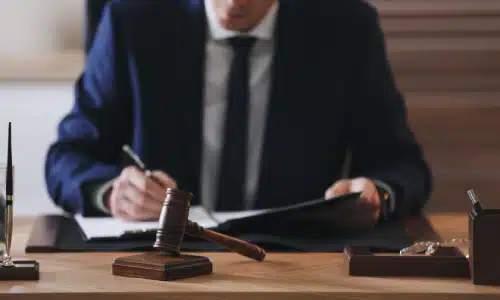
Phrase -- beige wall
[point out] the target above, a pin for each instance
(30, 27)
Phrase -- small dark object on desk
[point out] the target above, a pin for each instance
(21, 270)
(445, 262)
(484, 246)
(168, 263)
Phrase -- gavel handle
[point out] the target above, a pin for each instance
(231, 243)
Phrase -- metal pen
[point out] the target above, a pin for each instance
(9, 203)
(138, 162)
(135, 159)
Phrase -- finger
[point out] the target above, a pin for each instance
(338, 188)
(370, 195)
(132, 211)
(139, 198)
(164, 179)
(144, 183)
(114, 204)
(121, 214)
(131, 204)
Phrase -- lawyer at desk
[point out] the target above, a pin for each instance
(177, 80)
(247, 104)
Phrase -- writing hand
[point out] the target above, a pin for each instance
(138, 197)
(366, 211)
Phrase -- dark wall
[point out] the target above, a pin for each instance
(93, 12)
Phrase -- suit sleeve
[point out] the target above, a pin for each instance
(90, 136)
(383, 147)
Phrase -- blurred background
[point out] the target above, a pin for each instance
(445, 55)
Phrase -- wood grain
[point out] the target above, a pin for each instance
(281, 276)
(444, 54)
(459, 140)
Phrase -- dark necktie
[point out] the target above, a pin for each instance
(232, 169)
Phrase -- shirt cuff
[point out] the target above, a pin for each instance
(390, 191)
(97, 193)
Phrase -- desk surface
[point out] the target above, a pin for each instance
(280, 276)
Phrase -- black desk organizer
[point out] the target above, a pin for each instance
(484, 247)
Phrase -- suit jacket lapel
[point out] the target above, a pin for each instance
(286, 75)
(194, 75)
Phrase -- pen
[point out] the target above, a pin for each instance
(476, 206)
(9, 202)
(135, 159)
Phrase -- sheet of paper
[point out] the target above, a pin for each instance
(199, 215)
(108, 227)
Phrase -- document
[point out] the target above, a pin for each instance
(96, 228)
(108, 227)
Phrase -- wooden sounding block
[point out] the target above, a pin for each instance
(160, 266)
(21, 270)
(484, 247)
(445, 262)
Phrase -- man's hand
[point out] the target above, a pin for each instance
(137, 197)
(365, 213)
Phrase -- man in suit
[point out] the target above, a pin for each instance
(246, 103)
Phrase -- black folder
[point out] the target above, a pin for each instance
(304, 227)
(58, 233)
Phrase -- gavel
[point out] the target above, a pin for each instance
(174, 223)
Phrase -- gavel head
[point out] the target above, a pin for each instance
(173, 219)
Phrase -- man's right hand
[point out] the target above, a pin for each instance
(137, 197)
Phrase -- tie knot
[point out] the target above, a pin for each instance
(242, 44)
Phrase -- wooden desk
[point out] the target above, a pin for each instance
(281, 276)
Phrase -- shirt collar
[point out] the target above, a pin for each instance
(264, 30)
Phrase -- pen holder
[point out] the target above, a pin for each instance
(484, 247)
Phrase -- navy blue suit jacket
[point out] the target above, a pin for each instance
(332, 90)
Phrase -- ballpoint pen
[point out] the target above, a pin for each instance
(9, 202)
(138, 162)
(476, 206)
(135, 159)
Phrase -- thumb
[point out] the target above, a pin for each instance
(340, 187)
(166, 180)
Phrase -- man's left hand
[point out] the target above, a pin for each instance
(365, 213)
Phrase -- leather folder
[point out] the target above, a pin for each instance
(59, 233)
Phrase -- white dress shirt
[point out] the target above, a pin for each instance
(217, 64)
